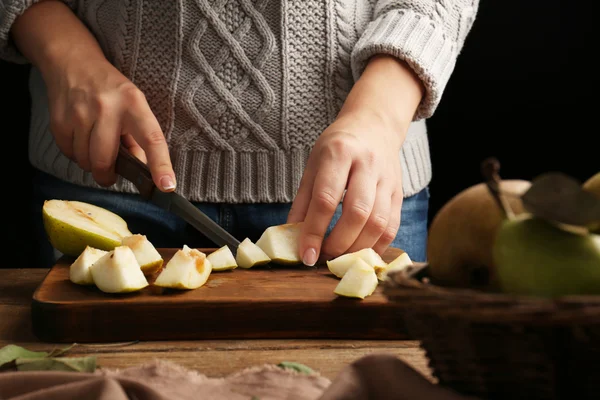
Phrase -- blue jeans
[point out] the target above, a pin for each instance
(164, 229)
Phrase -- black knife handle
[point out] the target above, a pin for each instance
(135, 171)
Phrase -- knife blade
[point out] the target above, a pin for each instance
(135, 171)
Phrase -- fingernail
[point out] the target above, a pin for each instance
(310, 257)
(167, 182)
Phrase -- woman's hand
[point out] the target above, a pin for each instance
(93, 107)
(359, 153)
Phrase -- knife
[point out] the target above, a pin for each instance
(135, 171)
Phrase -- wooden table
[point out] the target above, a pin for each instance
(214, 358)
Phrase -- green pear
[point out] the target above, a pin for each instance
(534, 257)
(71, 226)
(592, 185)
(462, 233)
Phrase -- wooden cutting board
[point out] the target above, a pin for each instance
(263, 302)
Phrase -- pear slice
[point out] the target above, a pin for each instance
(187, 269)
(146, 254)
(118, 271)
(338, 266)
(399, 263)
(222, 259)
(79, 271)
(250, 255)
(71, 226)
(359, 281)
(280, 243)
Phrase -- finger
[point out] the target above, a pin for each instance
(303, 196)
(145, 129)
(82, 126)
(134, 148)
(356, 209)
(378, 220)
(390, 233)
(326, 195)
(104, 147)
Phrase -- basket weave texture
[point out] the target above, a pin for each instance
(497, 346)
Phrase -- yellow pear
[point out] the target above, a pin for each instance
(250, 255)
(118, 271)
(71, 226)
(187, 269)
(148, 257)
(79, 271)
(462, 233)
(359, 281)
(280, 243)
(222, 259)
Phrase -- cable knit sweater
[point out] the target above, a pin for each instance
(243, 88)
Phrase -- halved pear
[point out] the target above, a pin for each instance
(71, 226)
(187, 269)
(359, 281)
(280, 243)
(398, 264)
(146, 254)
(222, 259)
(118, 271)
(79, 271)
(250, 255)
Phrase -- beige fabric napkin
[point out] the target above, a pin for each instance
(377, 376)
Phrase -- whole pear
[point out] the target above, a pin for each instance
(536, 258)
(592, 185)
(462, 233)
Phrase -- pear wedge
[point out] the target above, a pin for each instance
(187, 269)
(280, 243)
(146, 254)
(250, 255)
(79, 271)
(71, 226)
(398, 264)
(118, 271)
(339, 265)
(359, 281)
(222, 259)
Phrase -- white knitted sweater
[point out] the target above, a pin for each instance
(243, 88)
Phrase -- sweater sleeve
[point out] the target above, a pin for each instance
(427, 34)
(10, 10)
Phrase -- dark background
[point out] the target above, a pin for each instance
(524, 90)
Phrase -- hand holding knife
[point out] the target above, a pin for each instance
(135, 171)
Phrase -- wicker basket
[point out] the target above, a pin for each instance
(496, 346)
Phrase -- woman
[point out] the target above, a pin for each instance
(260, 112)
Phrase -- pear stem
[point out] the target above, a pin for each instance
(490, 169)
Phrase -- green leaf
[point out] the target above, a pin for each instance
(11, 352)
(296, 367)
(71, 364)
